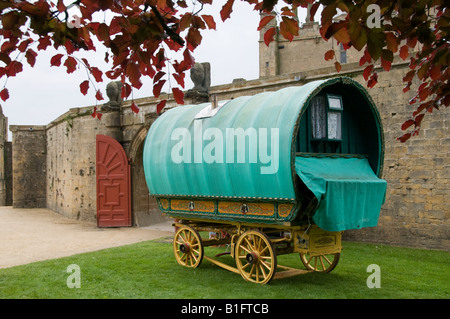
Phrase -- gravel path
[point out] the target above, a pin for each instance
(29, 235)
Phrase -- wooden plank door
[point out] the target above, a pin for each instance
(113, 184)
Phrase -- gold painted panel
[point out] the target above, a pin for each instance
(252, 209)
(196, 206)
(164, 203)
(317, 241)
(284, 209)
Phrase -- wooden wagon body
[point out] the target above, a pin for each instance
(289, 170)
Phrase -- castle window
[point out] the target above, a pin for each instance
(326, 117)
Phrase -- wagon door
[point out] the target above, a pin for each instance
(113, 184)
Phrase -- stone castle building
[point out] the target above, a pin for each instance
(54, 166)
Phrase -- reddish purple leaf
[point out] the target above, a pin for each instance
(226, 10)
(84, 87)
(70, 64)
(178, 95)
(160, 106)
(56, 60)
(99, 95)
(4, 94)
(134, 108)
(268, 36)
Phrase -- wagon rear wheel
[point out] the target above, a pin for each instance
(255, 257)
(188, 247)
(321, 263)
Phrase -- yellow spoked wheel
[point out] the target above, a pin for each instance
(188, 247)
(255, 257)
(321, 263)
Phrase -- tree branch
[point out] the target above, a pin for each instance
(172, 34)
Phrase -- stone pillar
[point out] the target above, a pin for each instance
(111, 119)
(29, 164)
(111, 125)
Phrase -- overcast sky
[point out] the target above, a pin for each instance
(39, 95)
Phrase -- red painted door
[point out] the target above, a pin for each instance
(113, 184)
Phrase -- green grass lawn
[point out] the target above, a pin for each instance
(149, 270)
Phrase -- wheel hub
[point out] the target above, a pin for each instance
(184, 248)
(252, 258)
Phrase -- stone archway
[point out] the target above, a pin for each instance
(144, 208)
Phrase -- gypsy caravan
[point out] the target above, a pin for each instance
(275, 173)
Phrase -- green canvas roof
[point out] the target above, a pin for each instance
(189, 157)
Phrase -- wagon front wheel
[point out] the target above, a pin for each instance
(188, 247)
(321, 263)
(255, 257)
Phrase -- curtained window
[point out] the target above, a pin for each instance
(326, 117)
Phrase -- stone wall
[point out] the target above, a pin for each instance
(417, 208)
(29, 166)
(70, 176)
(71, 161)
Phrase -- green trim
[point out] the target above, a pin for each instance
(228, 198)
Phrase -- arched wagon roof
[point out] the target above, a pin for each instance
(189, 157)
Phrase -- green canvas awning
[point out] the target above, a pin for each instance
(349, 194)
